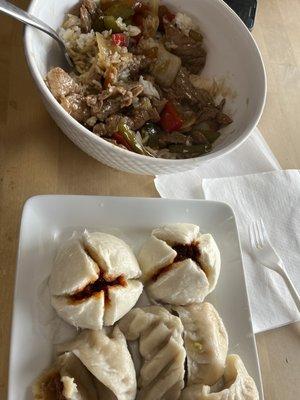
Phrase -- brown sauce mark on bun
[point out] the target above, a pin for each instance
(184, 252)
(54, 387)
(95, 289)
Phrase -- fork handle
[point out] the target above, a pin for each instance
(291, 288)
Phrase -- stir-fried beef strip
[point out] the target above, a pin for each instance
(132, 85)
(191, 52)
(184, 91)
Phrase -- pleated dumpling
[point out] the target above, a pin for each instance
(161, 347)
(206, 343)
(237, 384)
(92, 283)
(66, 379)
(108, 359)
(179, 264)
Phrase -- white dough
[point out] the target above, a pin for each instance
(77, 382)
(184, 283)
(112, 254)
(177, 233)
(184, 277)
(161, 346)
(238, 385)
(121, 300)
(80, 262)
(73, 269)
(108, 359)
(206, 343)
(154, 255)
(87, 314)
(210, 259)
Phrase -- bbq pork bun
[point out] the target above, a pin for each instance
(180, 265)
(66, 379)
(105, 355)
(93, 280)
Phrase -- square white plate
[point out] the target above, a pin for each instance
(47, 219)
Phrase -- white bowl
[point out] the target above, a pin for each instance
(232, 54)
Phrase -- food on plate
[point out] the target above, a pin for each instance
(132, 82)
(206, 343)
(180, 265)
(66, 379)
(161, 346)
(236, 385)
(179, 350)
(93, 280)
(108, 359)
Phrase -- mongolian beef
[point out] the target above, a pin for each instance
(131, 83)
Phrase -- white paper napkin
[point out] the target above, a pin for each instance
(252, 156)
(274, 196)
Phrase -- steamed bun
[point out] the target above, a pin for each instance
(93, 281)
(179, 264)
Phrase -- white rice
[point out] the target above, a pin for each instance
(148, 88)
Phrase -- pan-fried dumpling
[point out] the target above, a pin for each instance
(108, 359)
(206, 343)
(161, 347)
(179, 264)
(92, 283)
(66, 379)
(237, 384)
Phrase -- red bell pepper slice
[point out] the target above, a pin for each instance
(120, 39)
(119, 138)
(170, 120)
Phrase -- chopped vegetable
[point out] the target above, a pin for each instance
(211, 136)
(141, 11)
(166, 66)
(153, 4)
(170, 120)
(150, 134)
(106, 3)
(98, 24)
(120, 39)
(110, 23)
(119, 10)
(150, 26)
(119, 138)
(130, 137)
(104, 51)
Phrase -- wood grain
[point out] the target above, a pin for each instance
(36, 158)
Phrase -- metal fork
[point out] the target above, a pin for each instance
(267, 256)
(13, 11)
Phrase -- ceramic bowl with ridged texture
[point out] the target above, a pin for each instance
(233, 57)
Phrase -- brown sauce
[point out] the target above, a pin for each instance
(162, 271)
(184, 251)
(54, 387)
(95, 288)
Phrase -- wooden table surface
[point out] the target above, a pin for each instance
(36, 158)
